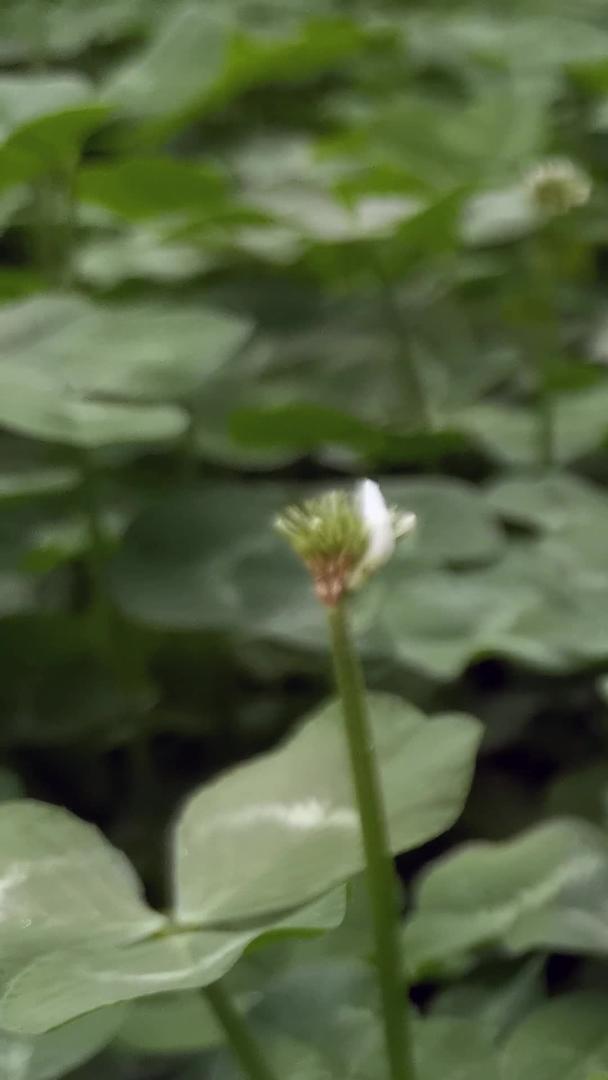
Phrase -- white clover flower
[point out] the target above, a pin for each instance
(344, 538)
(557, 185)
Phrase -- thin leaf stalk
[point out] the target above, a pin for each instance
(239, 1035)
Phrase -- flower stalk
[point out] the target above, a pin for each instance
(374, 832)
(343, 539)
(554, 188)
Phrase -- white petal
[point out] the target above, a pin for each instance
(378, 521)
(404, 524)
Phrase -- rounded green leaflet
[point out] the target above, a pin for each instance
(551, 503)
(34, 405)
(454, 525)
(89, 374)
(282, 829)
(542, 889)
(180, 1022)
(174, 73)
(54, 139)
(26, 481)
(62, 883)
(564, 1039)
(509, 434)
(28, 98)
(287, 1057)
(328, 1003)
(451, 1049)
(53, 1054)
(56, 986)
(140, 252)
(500, 996)
(149, 187)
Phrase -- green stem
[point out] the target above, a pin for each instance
(243, 1043)
(380, 880)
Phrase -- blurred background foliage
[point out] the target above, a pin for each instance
(249, 248)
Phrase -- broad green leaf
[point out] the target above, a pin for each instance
(531, 38)
(581, 793)
(443, 144)
(564, 1039)
(63, 883)
(43, 1057)
(63, 353)
(140, 188)
(44, 118)
(33, 404)
(450, 1049)
(57, 986)
(552, 502)
(498, 216)
(282, 829)
(453, 526)
(139, 254)
(177, 69)
(574, 514)
(320, 1002)
(511, 434)
(443, 1048)
(542, 889)
(299, 989)
(55, 139)
(176, 1023)
(438, 621)
(312, 47)
(202, 554)
(69, 26)
(25, 482)
(321, 217)
(286, 1057)
(306, 428)
(199, 60)
(74, 347)
(563, 586)
(499, 999)
(318, 388)
(17, 166)
(26, 98)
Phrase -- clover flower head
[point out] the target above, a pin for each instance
(557, 185)
(343, 538)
